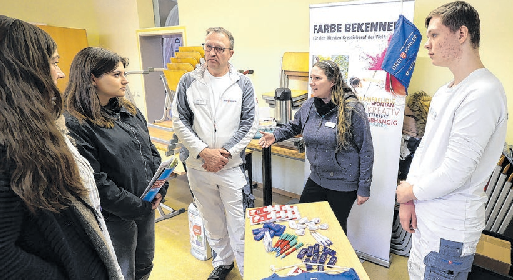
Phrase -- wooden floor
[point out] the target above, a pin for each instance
(173, 259)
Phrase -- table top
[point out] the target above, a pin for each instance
(276, 149)
(257, 262)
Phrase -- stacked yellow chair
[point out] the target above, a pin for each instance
(185, 60)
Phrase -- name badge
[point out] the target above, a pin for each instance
(200, 102)
(330, 124)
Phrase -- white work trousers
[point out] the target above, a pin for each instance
(427, 240)
(218, 197)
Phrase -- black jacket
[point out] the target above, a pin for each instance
(123, 158)
(47, 245)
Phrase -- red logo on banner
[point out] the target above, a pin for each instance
(403, 55)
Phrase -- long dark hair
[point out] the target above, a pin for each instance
(44, 172)
(343, 97)
(81, 98)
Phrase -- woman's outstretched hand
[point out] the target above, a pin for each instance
(266, 140)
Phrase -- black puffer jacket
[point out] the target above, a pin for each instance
(123, 158)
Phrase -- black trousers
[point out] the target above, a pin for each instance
(134, 244)
(340, 202)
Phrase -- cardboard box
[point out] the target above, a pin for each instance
(493, 254)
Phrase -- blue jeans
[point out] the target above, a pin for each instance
(134, 244)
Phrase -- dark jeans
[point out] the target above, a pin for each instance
(134, 243)
(340, 202)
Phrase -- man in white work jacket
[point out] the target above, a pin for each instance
(215, 116)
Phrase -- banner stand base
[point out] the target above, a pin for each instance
(373, 259)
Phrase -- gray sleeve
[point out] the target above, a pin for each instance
(295, 126)
(248, 119)
(363, 140)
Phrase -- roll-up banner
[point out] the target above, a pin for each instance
(356, 34)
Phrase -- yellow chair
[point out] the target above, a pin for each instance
(295, 64)
(173, 77)
(180, 66)
(193, 49)
(195, 55)
(190, 60)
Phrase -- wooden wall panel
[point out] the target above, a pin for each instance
(69, 42)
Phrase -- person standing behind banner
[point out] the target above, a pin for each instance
(50, 226)
(112, 134)
(215, 117)
(355, 83)
(338, 142)
(443, 198)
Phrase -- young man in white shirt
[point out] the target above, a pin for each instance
(443, 198)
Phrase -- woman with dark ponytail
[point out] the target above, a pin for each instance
(338, 142)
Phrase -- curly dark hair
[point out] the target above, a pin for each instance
(418, 102)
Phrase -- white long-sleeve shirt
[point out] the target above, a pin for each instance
(464, 138)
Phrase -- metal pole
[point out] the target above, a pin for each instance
(267, 176)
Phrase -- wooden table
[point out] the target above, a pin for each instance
(278, 150)
(257, 261)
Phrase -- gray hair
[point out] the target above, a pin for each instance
(222, 31)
